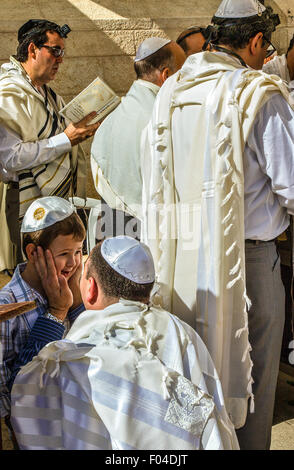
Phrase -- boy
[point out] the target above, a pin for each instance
(50, 224)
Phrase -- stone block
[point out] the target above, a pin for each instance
(97, 43)
(8, 45)
(118, 72)
(76, 73)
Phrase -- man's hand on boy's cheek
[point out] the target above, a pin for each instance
(60, 297)
(74, 284)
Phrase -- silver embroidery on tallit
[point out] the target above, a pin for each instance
(190, 408)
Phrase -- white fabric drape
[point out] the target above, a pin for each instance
(7, 249)
(192, 166)
(115, 151)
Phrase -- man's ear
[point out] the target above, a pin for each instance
(30, 249)
(32, 49)
(255, 43)
(165, 73)
(92, 291)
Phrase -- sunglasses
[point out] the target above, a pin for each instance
(271, 48)
(55, 51)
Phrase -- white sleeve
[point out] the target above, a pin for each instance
(17, 155)
(272, 141)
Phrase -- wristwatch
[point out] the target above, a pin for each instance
(53, 317)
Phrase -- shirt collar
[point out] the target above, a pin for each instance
(32, 293)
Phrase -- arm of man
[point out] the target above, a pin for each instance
(16, 155)
(272, 143)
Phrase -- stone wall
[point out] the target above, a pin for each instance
(105, 34)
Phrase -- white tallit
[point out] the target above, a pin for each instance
(34, 117)
(7, 249)
(278, 66)
(115, 151)
(202, 279)
(127, 377)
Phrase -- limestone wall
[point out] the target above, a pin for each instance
(105, 34)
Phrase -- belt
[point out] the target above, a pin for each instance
(259, 242)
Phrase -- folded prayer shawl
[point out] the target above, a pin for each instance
(127, 377)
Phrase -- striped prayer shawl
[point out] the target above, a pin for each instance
(35, 117)
(126, 377)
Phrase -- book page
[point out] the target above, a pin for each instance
(97, 97)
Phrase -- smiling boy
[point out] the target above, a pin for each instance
(52, 228)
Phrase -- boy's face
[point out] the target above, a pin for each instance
(67, 254)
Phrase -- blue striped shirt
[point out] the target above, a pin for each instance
(22, 337)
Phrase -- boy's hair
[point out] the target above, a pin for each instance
(114, 284)
(71, 225)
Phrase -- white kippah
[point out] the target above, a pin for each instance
(44, 212)
(239, 9)
(149, 47)
(130, 258)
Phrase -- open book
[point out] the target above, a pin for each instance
(97, 97)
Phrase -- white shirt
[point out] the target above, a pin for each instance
(17, 155)
(269, 171)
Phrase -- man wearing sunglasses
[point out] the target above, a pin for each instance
(218, 172)
(39, 154)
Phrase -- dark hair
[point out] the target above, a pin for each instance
(38, 35)
(181, 39)
(237, 32)
(290, 45)
(147, 68)
(71, 225)
(112, 283)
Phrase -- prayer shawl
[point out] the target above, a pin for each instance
(35, 117)
(127, 377)
(278, 66)
(7, 249)
(115, 151)
(201, 268)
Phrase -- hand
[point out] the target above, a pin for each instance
(80, 131)
(74, 285)
(60, 297)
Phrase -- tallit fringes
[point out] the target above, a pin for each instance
(233, 282)
(227, 230)
(231, 248)
(229, 195)
(43, 372)
(228, 216)
(235, 268)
